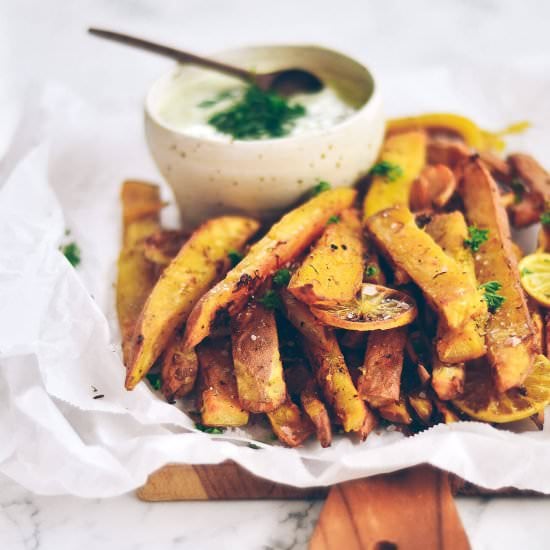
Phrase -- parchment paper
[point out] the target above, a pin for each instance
(59, 342)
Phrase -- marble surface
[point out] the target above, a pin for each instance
(45, 40)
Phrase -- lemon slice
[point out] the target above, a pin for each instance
(534, 271)
(481, 402)
(374, 308)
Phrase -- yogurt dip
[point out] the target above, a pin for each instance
(187, 104)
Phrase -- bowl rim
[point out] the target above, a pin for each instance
(252, 143)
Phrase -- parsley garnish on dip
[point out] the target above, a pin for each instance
(220, 107)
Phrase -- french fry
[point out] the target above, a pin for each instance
(291, 426)
(218, 400)
(396, 411)
(447, 414)
(328, 364)
(283, 242)
(199, 263)
(450, 152)
(433, 188)
(178, 369)
(317, 412)
(136, 276)
(258, 367)
(510, 337)
(332, 271)
(161, 247)
(449, 291)
(370, 424)
(405, 153)
(456, 346)
(380, 378)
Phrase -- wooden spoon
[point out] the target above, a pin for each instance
(285, 82)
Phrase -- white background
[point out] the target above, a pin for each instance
(46, 40)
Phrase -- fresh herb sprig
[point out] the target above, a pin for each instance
(234, 257)
(491, 296)
(258, 114)
(71, 251)
(282, 277)
(321, 187)
(476, 238)
(271, 300)
(333, 219)
(371, 271)
(154, 379)
(545, 218)
(387, 170)
(209, 429)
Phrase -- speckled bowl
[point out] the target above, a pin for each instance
(263, 178)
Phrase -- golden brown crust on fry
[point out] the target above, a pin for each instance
(396, 412)
(258, 367)
(163, 246)
(289, 424)
(380, 378)
(433, 189)
(317, 412)
(333, 269)
(200, 262)
(284, 241)
(218, 399)
(179, 369)
(510, 335)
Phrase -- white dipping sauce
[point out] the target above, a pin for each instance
(179, 106)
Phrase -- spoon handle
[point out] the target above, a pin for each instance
(167, 51)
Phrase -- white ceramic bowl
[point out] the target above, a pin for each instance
(264, 177)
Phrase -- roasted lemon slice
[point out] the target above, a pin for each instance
(534, 270)
(481, 402)
(374, 308)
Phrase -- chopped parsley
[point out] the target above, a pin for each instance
(253, 446)
(387, 170)
(491, 296)
(209, 429)
(258, 114)
(519, 189)
(545, 218)
(371, 270)
(218, 98)
(333, 219)
(154, 379)
(321, 187)
(71, 251)
(270, 300)
(281, 277)
(234, 257)
(476, 238)
(525, 271)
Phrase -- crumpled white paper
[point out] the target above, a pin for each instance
(59, 339)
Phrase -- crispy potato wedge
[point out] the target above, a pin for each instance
(291, 426)
(136, 276)
(468, 342)
(407, 151)
(397, 412)
(317, 412)
(433, 189)
(258, 366)
(332, 272)
(178, 369)
(422, 405)
(511, 345)
(200, 262)
(447, 414)
(380, 378)
(451, 293)
(285, 241)
(450, 152)
(447, 379)
(218, 400)
(370, 424)
(328, 364)
(162, 247)
(536, 182)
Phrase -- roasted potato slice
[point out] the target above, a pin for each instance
(396, 411)
(328, 364)
(510, 338)
(450, 152)
(380, 378)
(468, 342)
(284, 241)
(200, 262)
(433, 189)
(136, 275)
(422, 405)
(291, 426)
(450, 292)
(405, 153)
(218, 400)
(258, 367)
(447, 379)
(332, 271)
